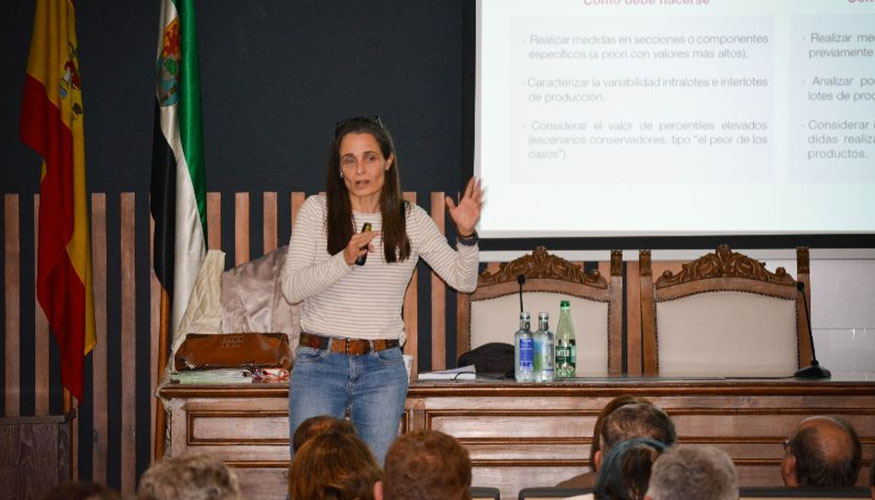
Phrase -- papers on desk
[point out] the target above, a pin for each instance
(216, 376)
(461, 373)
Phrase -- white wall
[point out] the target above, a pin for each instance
(842, 311)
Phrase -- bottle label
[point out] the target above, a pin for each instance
(562, 352)
(526, 355)
(572, 354)
(548, 352)
(538, 346)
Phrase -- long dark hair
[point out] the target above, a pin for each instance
(393, 208)
(625, 473)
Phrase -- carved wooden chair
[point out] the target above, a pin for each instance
(491, 313)
(724, 314)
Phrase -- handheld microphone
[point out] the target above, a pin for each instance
(361, 260)
(521, 279)
(814, 370)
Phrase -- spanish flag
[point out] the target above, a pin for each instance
(51, 124)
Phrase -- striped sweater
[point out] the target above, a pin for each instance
(364, 301)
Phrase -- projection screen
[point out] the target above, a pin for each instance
(675, 117)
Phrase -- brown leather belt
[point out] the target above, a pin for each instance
(355, 347)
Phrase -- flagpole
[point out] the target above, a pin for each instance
(72, 453)
(160, 413)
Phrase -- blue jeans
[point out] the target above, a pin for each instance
(373, 386)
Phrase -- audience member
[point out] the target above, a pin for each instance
(193, 476)
(607, 410)
(426, 465)
(333, 465)
(822, 452)
(625, 471)
(317, 425)
(693, 473)
(638, 418)
(75, 490)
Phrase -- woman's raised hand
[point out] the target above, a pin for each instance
(466, 214)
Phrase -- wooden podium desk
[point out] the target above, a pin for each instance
(525, 435)
(35, 454)
(246, 425)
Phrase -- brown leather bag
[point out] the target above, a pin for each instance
(233, 350)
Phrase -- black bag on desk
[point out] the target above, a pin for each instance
(494, 357)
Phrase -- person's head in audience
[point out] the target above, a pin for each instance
(75, 490)
(693, 473)
(333, 465)
(607, 410)
(426, 465)
(822, 452)
(194, 476)
(625, 471)
(636, 420)
(317, 425)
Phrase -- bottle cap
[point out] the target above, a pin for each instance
(543, 315)
(564, 304)
(525, 316)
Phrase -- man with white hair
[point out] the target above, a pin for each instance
(693, 473)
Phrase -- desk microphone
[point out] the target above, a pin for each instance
(521, 279)
(814, 370)
(360, 261)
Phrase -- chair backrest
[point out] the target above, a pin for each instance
(723, 314)
(484, 493)
(552, 493)
(786, 493)
(491, 313)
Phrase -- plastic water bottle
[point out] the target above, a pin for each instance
(523, 351)
(566, 350)
(543, 349)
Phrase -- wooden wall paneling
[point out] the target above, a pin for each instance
(615, 278)
(633, 319)
(214, 221)
(99, 375)
(411, 309)
(241, 228)
(154, 342)
(645, 276)
(269, 222)
(604, 269)
(463, 318)
(128, 344)
(438, 294)
(40, 333)
(12, 284)
(297, 200)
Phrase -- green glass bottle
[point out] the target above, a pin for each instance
(566, 350)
